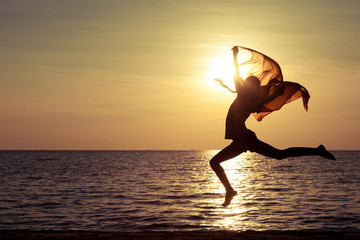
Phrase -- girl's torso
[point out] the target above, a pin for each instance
(238, 112)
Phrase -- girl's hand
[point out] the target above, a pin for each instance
(235, 50)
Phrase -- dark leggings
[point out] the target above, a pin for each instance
(255, 145)
(237, 147)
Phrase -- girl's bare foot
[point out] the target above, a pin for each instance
(325, 153)
(228, 197)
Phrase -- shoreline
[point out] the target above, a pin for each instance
(176, 235)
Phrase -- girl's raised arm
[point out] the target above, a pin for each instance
(237, 79)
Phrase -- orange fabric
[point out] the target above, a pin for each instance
(266, 69)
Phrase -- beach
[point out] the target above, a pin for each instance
(174, 235)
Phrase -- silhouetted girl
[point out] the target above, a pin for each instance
(252, 98)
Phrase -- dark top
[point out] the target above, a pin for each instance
(238, 112)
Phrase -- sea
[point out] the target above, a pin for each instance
(133, 191)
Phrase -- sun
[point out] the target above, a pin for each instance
(222, 67)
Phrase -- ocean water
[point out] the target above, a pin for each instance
(176, 190)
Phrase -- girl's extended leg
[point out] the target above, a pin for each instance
(227, 153)
(269, 151)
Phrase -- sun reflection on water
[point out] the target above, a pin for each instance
(240, 178)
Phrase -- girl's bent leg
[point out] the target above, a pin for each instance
(227, 153)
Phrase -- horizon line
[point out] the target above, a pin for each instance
(138, 150)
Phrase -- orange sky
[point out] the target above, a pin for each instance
(134, 74)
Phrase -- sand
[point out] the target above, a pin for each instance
(167, 235)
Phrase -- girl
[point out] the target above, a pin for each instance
(248, 101)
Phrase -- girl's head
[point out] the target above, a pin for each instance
(252, 86)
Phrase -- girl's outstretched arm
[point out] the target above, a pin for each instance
(219, 80)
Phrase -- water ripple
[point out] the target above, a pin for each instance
(175, 190)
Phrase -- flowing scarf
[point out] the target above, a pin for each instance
(269, 73)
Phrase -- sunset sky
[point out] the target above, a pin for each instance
(136, 74)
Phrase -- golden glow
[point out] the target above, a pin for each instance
(105, 79)
(222, 67)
